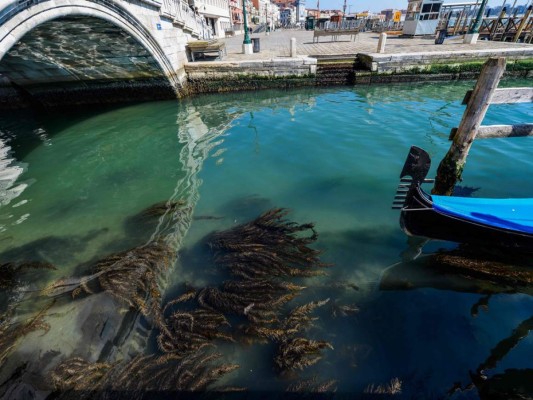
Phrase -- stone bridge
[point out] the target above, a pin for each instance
(82, 51)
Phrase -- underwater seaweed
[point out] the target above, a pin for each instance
(144, 373)
(268, 246)
(247, 304)
(9, 272)
(171, 372)
(188, 331)
(299, 353)
(78, 374)
(190, 293)
(481, 265)
(293, 353)
(162, 208)
(312, 386)
(259, 253)
(188, 325)
(297, 321)
(343, 310)
(11, 332)
(392, 388)
(130, 276)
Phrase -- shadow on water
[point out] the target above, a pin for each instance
(30, 264)
(465, 269)
(487, 272)
(244, 208)
(55, 250)
(26, 130)
(361, 251)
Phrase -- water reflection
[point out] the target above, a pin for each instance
(479, 271)
(10, 171)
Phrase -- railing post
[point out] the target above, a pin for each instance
(451, 167)
(473, 33)
(497, 22)
(522, 24)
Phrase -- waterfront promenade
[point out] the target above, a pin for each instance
(277, 44)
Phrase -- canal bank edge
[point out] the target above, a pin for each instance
(282, 73)
(209, 77)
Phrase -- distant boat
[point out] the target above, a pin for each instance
(500, 222)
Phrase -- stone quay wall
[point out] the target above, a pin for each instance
(220, 76)
(282, 73)
(364, 69)
(434, 62)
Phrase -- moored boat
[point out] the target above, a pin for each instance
(499, 222)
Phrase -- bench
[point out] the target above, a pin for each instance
(335, 34)
(202, 47)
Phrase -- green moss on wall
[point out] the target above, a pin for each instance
(333, 72)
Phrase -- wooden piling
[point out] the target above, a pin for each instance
(451, 167)
(522, 24)
(458, 22)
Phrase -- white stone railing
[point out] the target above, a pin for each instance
(216, 7)
(170, 8)
(176, 10)
(182, 14)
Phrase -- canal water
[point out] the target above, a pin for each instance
(72, 183)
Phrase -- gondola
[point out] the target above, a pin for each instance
(506, 223)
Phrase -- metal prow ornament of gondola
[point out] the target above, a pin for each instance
(414, 172)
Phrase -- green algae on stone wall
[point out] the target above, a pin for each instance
(243, 82)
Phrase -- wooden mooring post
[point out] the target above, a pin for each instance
(478, 100)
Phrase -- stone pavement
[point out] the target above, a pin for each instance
(277, 44)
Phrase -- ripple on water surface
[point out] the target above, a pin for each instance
(81, 187)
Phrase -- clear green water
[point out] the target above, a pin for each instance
(333, 157)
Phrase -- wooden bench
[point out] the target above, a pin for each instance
(348, 32)
(202, 47)
(335, 34)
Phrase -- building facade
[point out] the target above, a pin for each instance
(217, 15)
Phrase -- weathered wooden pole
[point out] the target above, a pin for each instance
(458, 22)
(497, 23)
(522, 24)
(451, 167)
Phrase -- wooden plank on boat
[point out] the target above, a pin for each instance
(507, 96)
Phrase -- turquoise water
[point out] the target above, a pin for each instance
(333, 157)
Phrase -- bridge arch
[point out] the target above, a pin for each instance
(17, 26)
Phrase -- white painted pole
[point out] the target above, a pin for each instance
(381, 43)
(293, 47)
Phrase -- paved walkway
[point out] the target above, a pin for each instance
(277, 44)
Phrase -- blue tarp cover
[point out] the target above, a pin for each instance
(512, 214)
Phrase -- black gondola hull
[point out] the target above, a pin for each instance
(420, 218)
